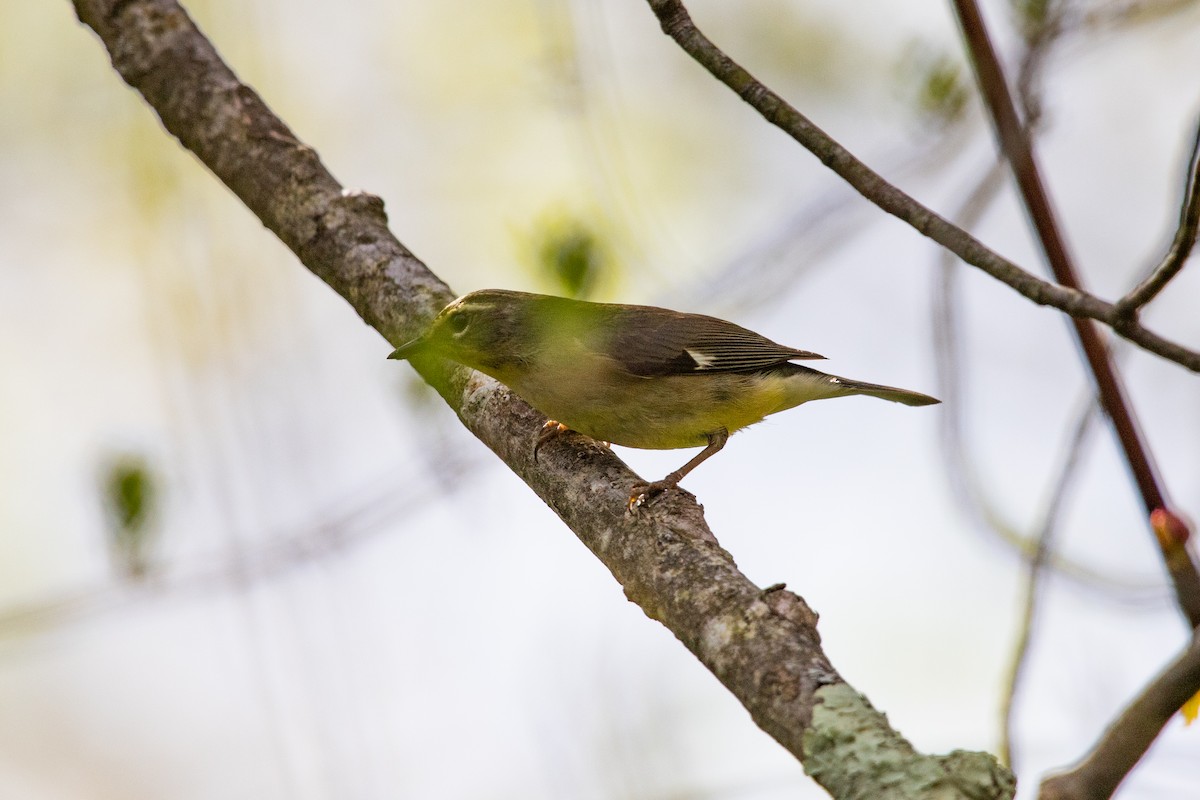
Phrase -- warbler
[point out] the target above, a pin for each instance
(638, 376)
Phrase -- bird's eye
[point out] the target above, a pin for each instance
(458, 323)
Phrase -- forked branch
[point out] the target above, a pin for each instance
(677, 24)
(1017, 148)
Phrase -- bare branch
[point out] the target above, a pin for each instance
(1015, 143)
(763, 645)
(677, 24)
(1181, 246)
(1130, 736)
(1039, 557)
(968, 489)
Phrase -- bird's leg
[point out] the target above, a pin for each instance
(643, 493)
(551, 429)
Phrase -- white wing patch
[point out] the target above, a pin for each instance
(703, 360)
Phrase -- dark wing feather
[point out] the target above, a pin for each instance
(672, 343)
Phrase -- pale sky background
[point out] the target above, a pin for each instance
(350, 597)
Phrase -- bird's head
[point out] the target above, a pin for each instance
(481, 330)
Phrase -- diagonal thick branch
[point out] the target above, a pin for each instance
(762, 645)
(677, 24)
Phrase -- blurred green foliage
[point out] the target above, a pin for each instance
(1032, 15)
(570, 255)
(936, 82)
(130, 491)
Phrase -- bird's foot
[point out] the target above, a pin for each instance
(643, 493)
(551, 429)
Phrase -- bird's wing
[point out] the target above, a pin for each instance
(687, 344)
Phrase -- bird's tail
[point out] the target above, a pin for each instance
(887, 393)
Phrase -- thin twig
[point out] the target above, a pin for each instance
(677, 24)
(1015, 144)
(1036, 571)
(1019, 151)
(1129, 737)
(967, 488)
(949, 362)
(1181, 246)
(1119, 13)
(1040, 557)
(348, 523)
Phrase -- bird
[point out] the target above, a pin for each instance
(637, 376)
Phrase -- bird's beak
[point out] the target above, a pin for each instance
(408, 349)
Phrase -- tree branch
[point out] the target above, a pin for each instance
(677, 24)
(762, 645)
(1019, 151)
(1130, 736)
(1181, 246)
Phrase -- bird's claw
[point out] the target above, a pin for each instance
(643, 493)
(549, 430)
